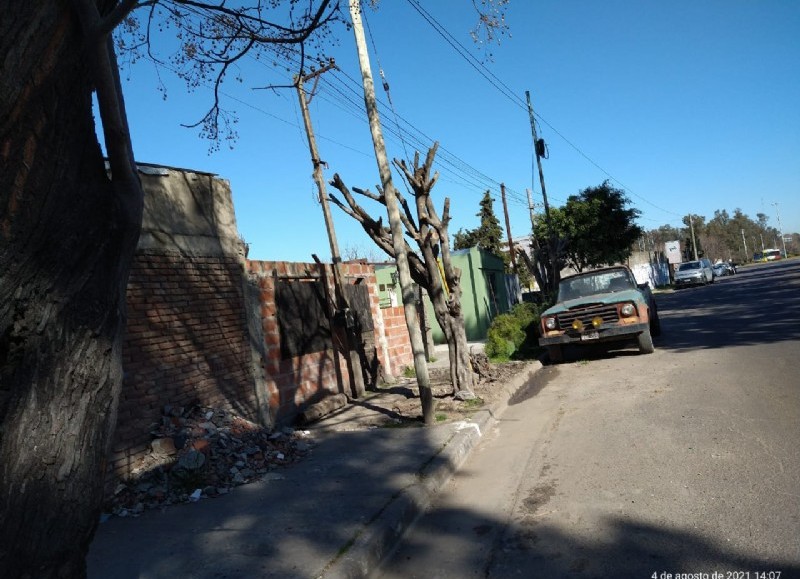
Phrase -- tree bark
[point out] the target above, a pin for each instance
(67, 237)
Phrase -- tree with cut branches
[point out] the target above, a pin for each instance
(429, 232)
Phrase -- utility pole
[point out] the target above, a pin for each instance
(395, 224)
(342, 305)
(530, 211)
(552, 241)
(744, 242)
(694, 242)
(780, 229)
(508, 227)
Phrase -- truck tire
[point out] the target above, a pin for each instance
(655, 325)
(645, 341)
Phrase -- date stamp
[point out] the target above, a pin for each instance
(718, 575)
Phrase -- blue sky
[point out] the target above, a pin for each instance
(689, 106)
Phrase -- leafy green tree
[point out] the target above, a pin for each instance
(597, 227)
(488, 235)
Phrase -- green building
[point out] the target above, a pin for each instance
(484, 288)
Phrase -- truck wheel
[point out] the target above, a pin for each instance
(655, 325)
(645, 341)
(556, 354)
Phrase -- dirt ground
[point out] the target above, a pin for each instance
(398, 404)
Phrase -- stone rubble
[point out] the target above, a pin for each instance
(198, 453)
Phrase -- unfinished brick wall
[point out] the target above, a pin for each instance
(295, 382)
(186, 343)
(398, 344)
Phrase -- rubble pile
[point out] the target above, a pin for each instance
(202, 452)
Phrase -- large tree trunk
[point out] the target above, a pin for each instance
(66, 243)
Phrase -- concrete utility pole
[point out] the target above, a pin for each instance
(395, 224)
(780, 229)
(342, 305)
(744, 242)
(508, 227)
(530, 212)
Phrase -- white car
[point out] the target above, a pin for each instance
(697, 272)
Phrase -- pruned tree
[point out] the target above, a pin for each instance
(69, 226)
(429, 232)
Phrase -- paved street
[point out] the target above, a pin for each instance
(622, 465)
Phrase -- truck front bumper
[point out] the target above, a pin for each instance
(612, 334)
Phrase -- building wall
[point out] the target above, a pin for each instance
(480, 303)
(202, 326)
(186, 341)
(293, 383)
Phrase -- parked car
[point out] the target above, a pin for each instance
(603, 305)
(698, 272)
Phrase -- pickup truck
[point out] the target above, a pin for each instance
(602, 305)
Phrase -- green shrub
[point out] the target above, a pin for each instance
(514, 335)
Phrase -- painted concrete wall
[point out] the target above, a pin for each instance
(485, 292)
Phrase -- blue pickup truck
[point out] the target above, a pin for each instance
(602, 305)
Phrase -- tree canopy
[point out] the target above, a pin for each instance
(596, 226)
(488, 235)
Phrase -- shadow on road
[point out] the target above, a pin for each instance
(631, 548)
(757, 306)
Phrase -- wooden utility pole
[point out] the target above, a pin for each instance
(508, 227)
(395, 223)
(342, 305)
(694, 241)
(553, 242)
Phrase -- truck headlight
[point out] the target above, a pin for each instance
(627, 310)
(550, 323)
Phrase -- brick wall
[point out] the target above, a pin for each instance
(293, 383)
(186, 343)
(399, 354)
(202, 326)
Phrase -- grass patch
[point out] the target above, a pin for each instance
(473, 402)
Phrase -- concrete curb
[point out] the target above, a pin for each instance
(383, 532)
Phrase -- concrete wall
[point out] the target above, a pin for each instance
(187, 339)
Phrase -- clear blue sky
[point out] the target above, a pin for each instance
(690, 106)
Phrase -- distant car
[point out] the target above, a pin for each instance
(722, 269)
(603, 305)
(698, 272)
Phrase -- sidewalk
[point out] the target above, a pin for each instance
(335, 514)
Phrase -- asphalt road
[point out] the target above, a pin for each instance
(615, 464)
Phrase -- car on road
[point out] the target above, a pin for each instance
(598, 306)
(722, 269)
(697, 272)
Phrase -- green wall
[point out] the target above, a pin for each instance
(483, 289)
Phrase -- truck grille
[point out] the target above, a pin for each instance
(586, 313)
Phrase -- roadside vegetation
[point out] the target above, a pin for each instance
(514, 335)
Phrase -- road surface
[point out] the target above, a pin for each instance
(614, 464)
